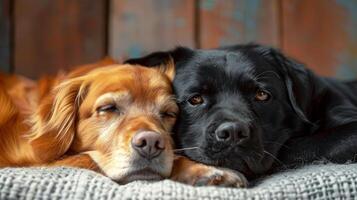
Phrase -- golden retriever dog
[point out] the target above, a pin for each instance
(110, 118)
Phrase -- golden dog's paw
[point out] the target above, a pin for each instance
(198, 174)
(220, 177)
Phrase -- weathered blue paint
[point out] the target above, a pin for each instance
(135, 50)
(246, 14)
(163, 5)
(128, 17)
(351, 7)
(4, 36)
(251, 20)
(233, 34)
(207, 4)
(346, 72)
(180, 22)
(347, 69)
(238, 15)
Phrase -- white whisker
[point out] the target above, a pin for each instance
(188, 148)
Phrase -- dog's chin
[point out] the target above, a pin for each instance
(146, 174)
(135, 174)
(142, 170)
(135, 168)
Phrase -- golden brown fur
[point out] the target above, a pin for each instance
(58, 121)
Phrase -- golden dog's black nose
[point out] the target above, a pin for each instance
(148, 144)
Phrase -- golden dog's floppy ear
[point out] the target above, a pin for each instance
(55, 120)
(168, 68)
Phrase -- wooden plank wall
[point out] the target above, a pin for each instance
(322, 34)
(229, 22)
(5, 30)
(140, 26)
(50, 35)
(199, 24)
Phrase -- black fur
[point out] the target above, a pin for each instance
(307, 118)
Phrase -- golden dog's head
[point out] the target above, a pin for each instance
(120, 115)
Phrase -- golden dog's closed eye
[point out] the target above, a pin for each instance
(169, 114)
(111, 108)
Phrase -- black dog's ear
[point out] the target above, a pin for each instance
(298, 80)
(153, 59)
(161, 57)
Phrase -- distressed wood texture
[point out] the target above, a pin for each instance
(5, 48)
(52, 35)
(238, 21)
(141, 26)
(322, 34)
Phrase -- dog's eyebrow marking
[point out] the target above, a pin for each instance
(266, 72)
(113, 97)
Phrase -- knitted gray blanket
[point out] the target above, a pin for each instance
(311, 182)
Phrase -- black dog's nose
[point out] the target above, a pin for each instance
(148, 144)
(230, 131)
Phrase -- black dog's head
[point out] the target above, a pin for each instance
(238, 104)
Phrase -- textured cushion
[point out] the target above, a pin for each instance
(313, 182)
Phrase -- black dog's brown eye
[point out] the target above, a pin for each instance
(196, 100)
(262, 96)
(108, 108)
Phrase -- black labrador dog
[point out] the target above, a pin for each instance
(252, 109)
